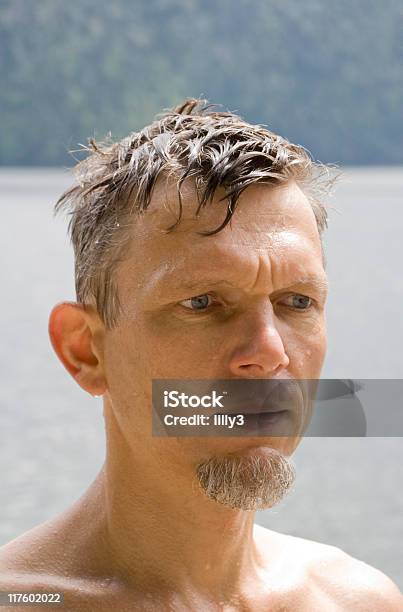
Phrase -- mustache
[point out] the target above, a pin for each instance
(257, 397)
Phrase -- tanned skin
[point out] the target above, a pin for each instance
(142, 537)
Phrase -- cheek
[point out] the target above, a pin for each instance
(307, 352)
(126, 363)
(187, 356)
(128, 379)
(175, 348)
(143, 350)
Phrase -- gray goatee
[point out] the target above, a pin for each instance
(253, 482)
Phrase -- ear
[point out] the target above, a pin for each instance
(76, 333)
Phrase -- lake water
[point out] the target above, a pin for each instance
(348, 491)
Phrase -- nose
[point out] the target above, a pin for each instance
(260, 351)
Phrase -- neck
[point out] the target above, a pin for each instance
(163, 530)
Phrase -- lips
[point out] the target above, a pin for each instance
(255, 411)
(268, 423)
(276, 399)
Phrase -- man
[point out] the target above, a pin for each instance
(198, 256)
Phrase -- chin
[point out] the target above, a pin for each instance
(253, 446)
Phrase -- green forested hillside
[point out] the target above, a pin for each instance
(326, 74)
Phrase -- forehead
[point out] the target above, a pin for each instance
(274, 228)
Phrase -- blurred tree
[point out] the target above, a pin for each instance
(326, 75)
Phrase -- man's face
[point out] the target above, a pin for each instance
(249, 320)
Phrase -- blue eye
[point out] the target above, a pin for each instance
(300, 302)
(198, 302)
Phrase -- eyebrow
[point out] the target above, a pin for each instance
(319, 283)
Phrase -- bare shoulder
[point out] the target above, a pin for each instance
(27, 552)
(35, 562)
(22, 570)
(77, 595)
(347, 581)
(357, 583)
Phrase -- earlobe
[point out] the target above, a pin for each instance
(71, 331)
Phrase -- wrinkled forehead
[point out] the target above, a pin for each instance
(276, 224)
(262, 211)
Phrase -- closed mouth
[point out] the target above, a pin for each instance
(255, 413)
(280, 398)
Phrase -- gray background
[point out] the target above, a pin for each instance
(348, 491)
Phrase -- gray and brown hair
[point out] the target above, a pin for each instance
(193, 140)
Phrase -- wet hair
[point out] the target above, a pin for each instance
(194, 140)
